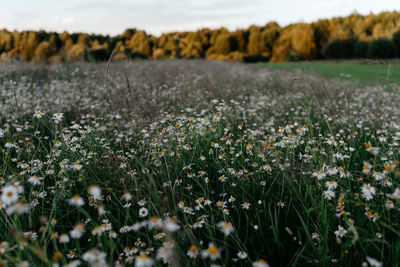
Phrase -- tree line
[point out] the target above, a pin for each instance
(353, 36)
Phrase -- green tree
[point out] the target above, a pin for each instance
(381, 48)
(396, 42)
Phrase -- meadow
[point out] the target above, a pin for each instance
(196, 163)
(361, 71)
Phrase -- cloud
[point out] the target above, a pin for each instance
(159, 16)
(67, 21)
(318, 6)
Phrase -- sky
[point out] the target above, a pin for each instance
(159, 16)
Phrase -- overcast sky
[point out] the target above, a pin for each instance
(158, 16)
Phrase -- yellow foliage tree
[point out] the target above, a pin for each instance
(76, 53)
(295, 42)
(43, 52)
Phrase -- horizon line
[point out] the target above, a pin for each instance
(355, 12)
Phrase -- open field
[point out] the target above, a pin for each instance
(197, 163)
(364, 72)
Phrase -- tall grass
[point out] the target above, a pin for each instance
(193, 163)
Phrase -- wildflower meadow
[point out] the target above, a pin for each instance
(196, 163)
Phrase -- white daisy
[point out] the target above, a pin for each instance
(143, 212)
(9, 195)
(225, 227)
(340, 232)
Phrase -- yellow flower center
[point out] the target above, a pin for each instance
(213, 250)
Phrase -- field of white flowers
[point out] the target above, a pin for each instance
(196, 163)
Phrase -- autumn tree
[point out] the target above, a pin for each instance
(256, 44)
(295, 42)
(169, 43)
(6, 41)
(221, 45)
(140, 45)
(269, 35)
(239, 40)
(44, 51)
(321, 35)
(76, 52)
(191, 45)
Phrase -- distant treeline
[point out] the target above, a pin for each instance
(354, 36)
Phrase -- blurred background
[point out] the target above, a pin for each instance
(248, 31)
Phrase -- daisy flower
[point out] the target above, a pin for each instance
(142, 202)
(95, 257)
(18, 208)
(38, 114)
(395, 194)
(341, 232)
(3, 247)
(35, 180)
(319, 175)
(280, 204)
(126, 196)
(245, 205)
(95, 192)
(368, 191)
(373, 262)
(170, 225)
(159, 235)
(331, 185)
(212, 252)
(57, 117)
(221, 204)
(77, 231)
(64, 238)
(242, 255)
(193, 252)
(329, 194)
(226, 227)
(389, 204)
(76, 201)
(143, 261)
(143, 212)
(314, 235)
(260, 263)
(9, 195)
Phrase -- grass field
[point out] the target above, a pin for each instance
(365, 72)
(196, 163)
